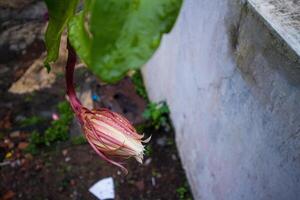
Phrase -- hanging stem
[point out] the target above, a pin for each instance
(74, 101)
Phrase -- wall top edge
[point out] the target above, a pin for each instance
(284, 17)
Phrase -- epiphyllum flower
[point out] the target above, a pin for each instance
(109, 134)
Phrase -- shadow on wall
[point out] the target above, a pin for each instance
(247, 44)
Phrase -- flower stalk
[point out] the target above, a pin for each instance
(111, 135)
(71, 62)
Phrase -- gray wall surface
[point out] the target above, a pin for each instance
(233, 88)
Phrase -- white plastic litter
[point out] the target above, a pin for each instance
(103, 189)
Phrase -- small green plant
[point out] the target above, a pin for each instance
(78, 140)
(157, 113)
(148, 151)
(35, 140)
(58, 130)
(183, 192)
(31, 121)
(138, 82)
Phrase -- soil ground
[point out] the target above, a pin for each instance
(65, 170)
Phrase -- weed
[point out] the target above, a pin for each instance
(58, 130)
(170, 141)
(154, 173)
(157, 113)
(138, 82)
(35, 140)
(31, 121)
(32, 149)
(140, 128)
(148, 151)
(183, 192)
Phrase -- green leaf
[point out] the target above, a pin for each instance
(60, 11)
(120, 34)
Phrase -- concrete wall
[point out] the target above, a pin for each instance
(233, 88)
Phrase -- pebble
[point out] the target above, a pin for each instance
(148, 161)
(67, 159)
(15, 163)
(15, 134)
(9, 143)
(174, 157)
(65, 152)
(153, 181)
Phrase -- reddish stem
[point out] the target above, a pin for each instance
(74, 101)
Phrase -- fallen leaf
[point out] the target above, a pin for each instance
(8, 155)
(23, 145)
(8, 195)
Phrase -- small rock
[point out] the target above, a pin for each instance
(15, 134)
(20, 118)
(4, 163)
(23, 161)
(148, 161)
(4, 69)
(15, 163)
(20, 195)
(9, 143)
(23, 145)
(65, 152)
(153, 181)
(67, 159)
(174, 157)
(38, 167)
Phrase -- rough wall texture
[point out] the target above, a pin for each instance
(283, 16)
(234, 93)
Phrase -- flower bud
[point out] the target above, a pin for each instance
(109, 134)
(112, 136)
